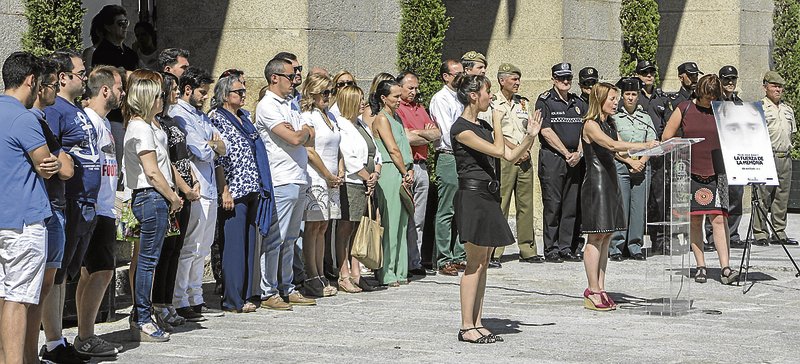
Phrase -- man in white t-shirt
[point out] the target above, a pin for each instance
(106, 92)
(285, 136)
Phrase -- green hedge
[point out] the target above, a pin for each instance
(786, 54)
(639, 20)
(420, 41)
(53, 25)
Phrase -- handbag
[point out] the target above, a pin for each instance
(368, 242)
(129, 229)
(407, 199)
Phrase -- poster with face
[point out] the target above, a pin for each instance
(746, 147)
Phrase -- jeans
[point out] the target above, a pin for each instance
(152, 211)
(55, 239)
(277, 248)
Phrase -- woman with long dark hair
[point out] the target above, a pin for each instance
(600, 192)
(477, 147)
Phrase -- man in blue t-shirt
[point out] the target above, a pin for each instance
(77, 136)
(25, 161)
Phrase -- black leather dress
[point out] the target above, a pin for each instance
(601, 201)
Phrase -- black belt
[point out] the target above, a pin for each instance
(444, 152)
(138, 190)
(478, 185)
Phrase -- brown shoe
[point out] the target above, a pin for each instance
(275, 302)
(461, 266)
(297, 299)
(448, 269)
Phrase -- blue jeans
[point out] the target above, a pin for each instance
(55, 239)
(152, 211)
(277, 248)
(634, 188)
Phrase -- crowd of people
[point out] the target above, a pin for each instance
(111, 131)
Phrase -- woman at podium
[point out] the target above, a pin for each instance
(601, 200)
(709, 185)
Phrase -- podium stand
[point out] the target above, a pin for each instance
(667, 277)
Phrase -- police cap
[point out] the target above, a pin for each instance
(689, 67)
(644, 66)
(587, 74)
(562, 69)
(629, 84)
(728, 72)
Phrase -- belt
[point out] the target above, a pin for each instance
(781, 154)
(138, 190)
(478, 185)
(444, 151)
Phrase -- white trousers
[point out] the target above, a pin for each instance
(196, 247)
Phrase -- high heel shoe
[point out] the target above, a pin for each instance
(590, 305)
(484, 339)
(607, 299)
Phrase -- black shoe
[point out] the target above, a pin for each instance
(64, 353)
(569, 257)
(786, 241)
(579, 255)
(761, 242)
(554, 258)
(533, 259)
(495, 263)
(430, 272)
(616, 257)
(189, 314)
(638, 256)
(738, 244)
(709, 248)
(418, 272)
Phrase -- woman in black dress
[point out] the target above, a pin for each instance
(481, 225)
(600, 192)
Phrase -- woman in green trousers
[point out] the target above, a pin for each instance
(396, 174)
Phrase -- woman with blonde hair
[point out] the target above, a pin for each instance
(600, 191)
(148, 173)
(362, 167)
(322, 195)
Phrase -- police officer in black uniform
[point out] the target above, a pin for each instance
(561, 166)
(587, 77)
(657, 105)
(729, 76)
(688, 73)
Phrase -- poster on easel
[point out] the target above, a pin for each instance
(746, 147)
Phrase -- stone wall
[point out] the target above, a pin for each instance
(14, 24)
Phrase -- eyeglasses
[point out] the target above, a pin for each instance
(123, 23)
(81, 74)
(53, 86)
(341, 84)
(298, 69)
(325, 93)
(241, 92)
(729, 79)
(288, 77)
(564, 78)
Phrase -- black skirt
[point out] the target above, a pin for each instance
(479, 219)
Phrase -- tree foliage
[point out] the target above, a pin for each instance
(420, 41)
(639, 20)
(786, 54)
(53, 25)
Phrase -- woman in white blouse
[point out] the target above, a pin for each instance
(148, 173)
(322, 195)
(362, 166)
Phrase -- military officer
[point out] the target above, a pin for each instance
(782, 125)
(474, 63)
(561, 165)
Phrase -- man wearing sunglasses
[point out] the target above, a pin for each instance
(657, 105)
(112, 20)
(587, 77)
(560, 166)
(298, 77)
(205, 144)
(688, 73)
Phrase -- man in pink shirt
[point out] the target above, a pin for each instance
(421, 131)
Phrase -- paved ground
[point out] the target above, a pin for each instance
(536, 307)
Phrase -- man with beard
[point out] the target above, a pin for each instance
(688, 74)
(105, 94)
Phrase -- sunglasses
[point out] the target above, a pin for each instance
(288, 77)
(298, 69)
(563, 78)
(588, 83)
(123, 23)
(341, 84)
(241, 92)
(162, 95)
(729, 79)
(325, 93)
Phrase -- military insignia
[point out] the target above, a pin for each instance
(577, 110)
(544, 95)
(564, 66)
(590, 71)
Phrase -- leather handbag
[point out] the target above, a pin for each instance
(407, 198)
(368, 242)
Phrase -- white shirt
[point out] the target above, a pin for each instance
(326, 144)
(287, 162)
(108, 165)
(355, 150)
(139, 137)
(445, 110)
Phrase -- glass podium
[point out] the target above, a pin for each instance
(667, 277)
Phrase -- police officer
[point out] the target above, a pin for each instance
(729, 76)
(474, 63)
(782, 125)
(657, 105)
(587, 77)
(515, 179)
(688, 74)
(561, 165)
